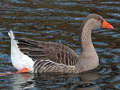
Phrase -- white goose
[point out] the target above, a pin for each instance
(37, 57)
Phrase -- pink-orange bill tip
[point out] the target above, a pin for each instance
(107, 25)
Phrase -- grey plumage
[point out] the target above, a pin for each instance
(49, 57)
(47, 50)
(54, 57)
(50, 66)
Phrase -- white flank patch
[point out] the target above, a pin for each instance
(19, 60)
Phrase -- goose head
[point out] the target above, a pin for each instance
(94, 21)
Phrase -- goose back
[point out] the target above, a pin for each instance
(55, 52)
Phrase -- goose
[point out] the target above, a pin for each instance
(39, 57)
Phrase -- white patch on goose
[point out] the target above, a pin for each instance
(19, 60)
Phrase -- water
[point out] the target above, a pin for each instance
(58, 21)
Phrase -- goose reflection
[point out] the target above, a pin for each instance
(83, 81)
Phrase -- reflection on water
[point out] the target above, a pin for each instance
(58, 21)
(23, 81)
(55, 81)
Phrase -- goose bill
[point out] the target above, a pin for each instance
(107, 25)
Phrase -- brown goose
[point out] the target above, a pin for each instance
(37, 57)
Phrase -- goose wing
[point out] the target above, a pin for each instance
(55, 52)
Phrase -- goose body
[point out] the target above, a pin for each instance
(40, 57)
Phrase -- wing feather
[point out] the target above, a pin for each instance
(55, 52)
(50, 66)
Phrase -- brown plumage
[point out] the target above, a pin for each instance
(43, 52)
(54, 57)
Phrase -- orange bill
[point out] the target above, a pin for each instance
(107, 25)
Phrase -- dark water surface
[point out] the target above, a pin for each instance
(58, 21)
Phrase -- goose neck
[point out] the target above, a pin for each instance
(86, 39)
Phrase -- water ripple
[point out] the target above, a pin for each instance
(58, 21)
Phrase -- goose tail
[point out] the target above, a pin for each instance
(13, 41)
(18, 59)
(11, 34)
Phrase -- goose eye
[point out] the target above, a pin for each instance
(98, 19)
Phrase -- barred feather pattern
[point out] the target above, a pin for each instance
(55, 52)
(50, 66)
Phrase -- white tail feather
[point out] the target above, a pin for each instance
(13, 42)
(19, 60)
(11, 34)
